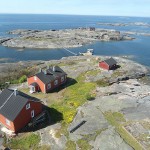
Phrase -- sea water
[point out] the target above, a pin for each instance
(137, 50)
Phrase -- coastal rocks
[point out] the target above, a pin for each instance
(67, 38)
(126, 24)
(23, 31)
(2, 40)
(110, 139)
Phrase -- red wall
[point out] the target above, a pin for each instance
(3, 121)
(54, 86)
(103, 65)
(43, 87)
(25, 115)
(38, 81)
(23, 118)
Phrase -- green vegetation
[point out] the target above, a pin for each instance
(70, 145)
(74, 96)
(43, 147)
(102, 82)
(115, 119)
(24, 142)
(84, 145)
(93, 72)
(20, 80)
(117, 73)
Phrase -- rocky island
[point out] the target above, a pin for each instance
(106, 114)
(68, 38)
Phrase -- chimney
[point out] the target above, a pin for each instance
(54, 69)
(15, 92)
(40, 70)
(45, 72)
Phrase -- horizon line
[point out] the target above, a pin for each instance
(71, 14)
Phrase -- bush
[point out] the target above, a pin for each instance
(23, 79)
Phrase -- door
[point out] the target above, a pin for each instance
(32, 89)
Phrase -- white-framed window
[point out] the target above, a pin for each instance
(49, 86)
(62, 79)
(35, 78)
(28, 106)
(7, 122)
(55, 82)
(32, 113)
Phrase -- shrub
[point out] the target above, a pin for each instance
(23, 79)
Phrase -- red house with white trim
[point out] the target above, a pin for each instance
(47, 80)
(17, 109)
(108, 64)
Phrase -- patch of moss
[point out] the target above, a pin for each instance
(70, 145)
(24, 142)
(84, 145)
(102, 82)
(43, 147)
(114, 121)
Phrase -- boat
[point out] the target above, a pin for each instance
(88, 53)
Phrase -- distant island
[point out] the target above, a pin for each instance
(68, 38)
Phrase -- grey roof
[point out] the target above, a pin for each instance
(50, 75)
(110, 61)
(11, 105)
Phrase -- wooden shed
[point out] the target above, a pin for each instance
(108, 64)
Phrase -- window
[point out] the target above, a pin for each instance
(32, 113)
(49, 86)
(7, 122)
(65, 76)
(62, 79)
(28, 106)
(35, 78)
(55, 82)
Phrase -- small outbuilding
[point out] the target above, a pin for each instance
(47, 80)
(92, 28)
(108, 64)
(17, 109)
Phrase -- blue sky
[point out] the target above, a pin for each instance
(81, 7)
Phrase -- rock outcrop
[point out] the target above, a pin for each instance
(68, 38)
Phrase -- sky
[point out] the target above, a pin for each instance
(78, 7)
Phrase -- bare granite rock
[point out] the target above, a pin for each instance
(110, 140)
(67, 38)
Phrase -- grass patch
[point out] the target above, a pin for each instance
(74, 96)
(84, 145)
(93, 72)
(44, 147)
(70, 145)
(117, 73)
(24, 142)
(102, 82)
(114, 119)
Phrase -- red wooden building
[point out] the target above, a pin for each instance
(108, 64)
(17, 109)
(47, 80)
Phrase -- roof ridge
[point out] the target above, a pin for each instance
(6, 100)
